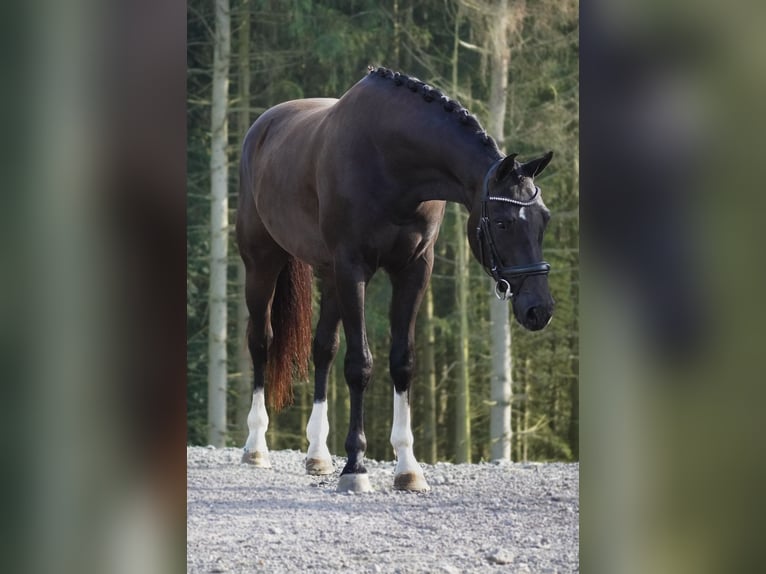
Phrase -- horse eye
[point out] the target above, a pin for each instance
(501, 224)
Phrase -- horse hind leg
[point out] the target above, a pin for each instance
(325, 347)
(260, 283)
(256, 451)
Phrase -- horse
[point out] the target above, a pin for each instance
(340, 188)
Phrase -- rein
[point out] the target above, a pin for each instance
(493, 264)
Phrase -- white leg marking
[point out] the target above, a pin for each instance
(257, 423)
(522, 214)
(318, 459)
(408, 474)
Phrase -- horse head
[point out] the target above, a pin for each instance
(505, 231)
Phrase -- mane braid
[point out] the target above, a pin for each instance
(430, 94)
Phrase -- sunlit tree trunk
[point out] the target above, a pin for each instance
(244, 377)
(429, 392)
(573, 433)
(463, 390)
(219, 228)
(397, 34)
(527, 411)
(332, 412)
(500, 414)
(342, 406)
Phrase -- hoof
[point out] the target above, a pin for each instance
(354, 483)
(257, 458)
(318, 466)
(411, 481)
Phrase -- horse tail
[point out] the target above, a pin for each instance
(290, 348)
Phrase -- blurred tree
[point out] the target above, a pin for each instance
(243, 387)
(219, 228)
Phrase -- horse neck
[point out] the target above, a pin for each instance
(440, 158)
(463, 165)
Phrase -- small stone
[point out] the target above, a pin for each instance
(275, 530)
(500, 556)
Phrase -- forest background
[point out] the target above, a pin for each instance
(512, 60)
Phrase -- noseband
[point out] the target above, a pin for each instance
(489, 257)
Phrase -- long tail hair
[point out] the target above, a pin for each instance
(288, 354)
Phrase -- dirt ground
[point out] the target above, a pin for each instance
(517, 517)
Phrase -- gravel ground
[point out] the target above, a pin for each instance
(476, 518)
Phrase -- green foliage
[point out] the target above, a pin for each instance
(311, 49)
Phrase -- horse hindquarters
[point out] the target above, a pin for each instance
(279, 339)
(278, 296)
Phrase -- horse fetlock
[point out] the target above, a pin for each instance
(401, 374)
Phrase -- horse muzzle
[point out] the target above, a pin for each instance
(533, 308)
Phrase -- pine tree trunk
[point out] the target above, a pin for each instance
(342, 406)
(500, 381)
(463, 390)
(219, 227)
(244, 377)
(500, 414)
(332, 412)
(305, 403)
(527, 412)
(397, 34)
(574, 389)
(429, 394)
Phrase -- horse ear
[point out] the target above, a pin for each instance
(533, 167)
(506, 167)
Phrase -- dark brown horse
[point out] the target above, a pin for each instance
(347, 187)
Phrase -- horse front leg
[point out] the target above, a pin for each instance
(351, 277)
(408, 287)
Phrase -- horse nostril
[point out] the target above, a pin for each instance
(533, 315)
(537, 317)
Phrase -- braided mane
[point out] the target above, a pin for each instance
(431, 94)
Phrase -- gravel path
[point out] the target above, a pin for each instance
(476, 518)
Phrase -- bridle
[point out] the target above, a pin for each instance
(494, 265)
